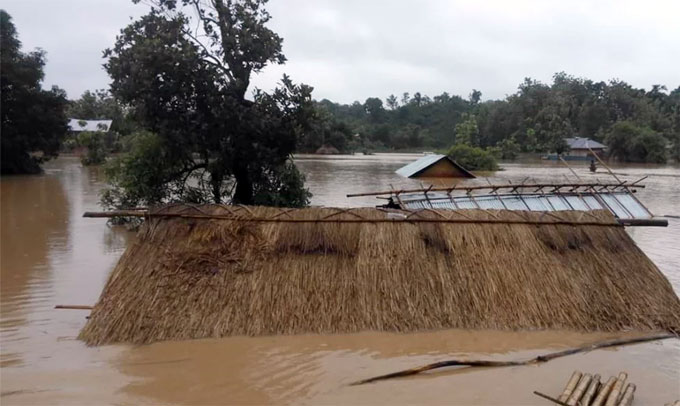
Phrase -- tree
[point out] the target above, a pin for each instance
(374, 109)
(392, 102)
(630, 143)
(467, 131)
(475, 97)
(473, 158)
(33, 120)
(189, 91)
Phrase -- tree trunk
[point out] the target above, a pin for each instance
(244, 186)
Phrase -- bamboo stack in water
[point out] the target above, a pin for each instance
(587, 390)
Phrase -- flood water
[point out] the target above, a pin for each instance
(51, 255)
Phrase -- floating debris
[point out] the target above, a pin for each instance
(612, 393)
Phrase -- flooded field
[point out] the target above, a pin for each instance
(51, 255)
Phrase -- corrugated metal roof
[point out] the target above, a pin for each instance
(423, 163)
(77, 125)
(622, 204)
(583, 143)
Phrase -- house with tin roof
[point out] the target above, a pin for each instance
(434, 166)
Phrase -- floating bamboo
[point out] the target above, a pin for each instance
(580, 390)
(571, 385)
(592, 390)
(604, 393)
(627, 398)
(73, 307)
(617, 390)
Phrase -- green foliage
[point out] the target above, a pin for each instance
(538, 116)
(509, 149)
(467, 131)
(33, 120)
(473, 158)
(283, 187)
(323, 129)
(631, 143)
(96, 149)
(210, 143)
(145, 174)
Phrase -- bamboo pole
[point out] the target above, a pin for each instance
(232, 217)
(544, 396)
(627, 398)
(536, 360)
(74, 307)
(591, 391)
(504, 186)
(116, 213)
(567, 165)
(571, 385)
(604, 164)
(604, 392)
(580, 390)
(613, 398)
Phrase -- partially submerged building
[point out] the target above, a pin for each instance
(217, 270)
(76, 125)
(580, 149)
(434, 166)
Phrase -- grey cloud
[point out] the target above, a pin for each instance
(350, 50)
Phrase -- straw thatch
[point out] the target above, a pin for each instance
(193, 277)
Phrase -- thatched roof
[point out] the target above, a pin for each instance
(260, 271)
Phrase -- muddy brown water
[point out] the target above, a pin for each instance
(51, 255)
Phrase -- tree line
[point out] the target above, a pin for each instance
(638, 125)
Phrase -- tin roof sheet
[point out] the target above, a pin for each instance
(622, 204)
(426, 161)
(77, 125)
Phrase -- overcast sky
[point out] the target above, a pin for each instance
(353, 49)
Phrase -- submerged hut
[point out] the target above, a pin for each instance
(327, 150)
(213, 271)
(434, 166)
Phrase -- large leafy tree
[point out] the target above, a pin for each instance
(185, 69)
(33, 119)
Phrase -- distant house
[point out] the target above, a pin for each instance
(434, 166)
(327, 150)
(579, 149)
(76, 125)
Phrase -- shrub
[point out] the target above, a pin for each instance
(473, 158)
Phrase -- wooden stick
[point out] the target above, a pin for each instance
(592, 389)
(356, 220)
(627, 398)
(571, 385)
(535, 360)
(74, 307)
(116, 213)
(604, 393)
(504, 186)
(543, 395)
(577, 394)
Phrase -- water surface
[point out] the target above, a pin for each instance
(51, 255)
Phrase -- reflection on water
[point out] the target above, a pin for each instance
(51, 255)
